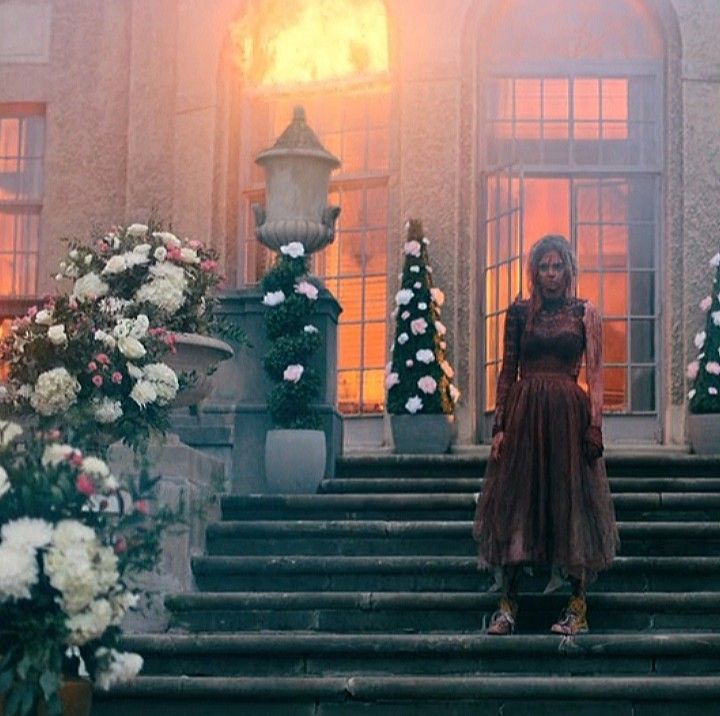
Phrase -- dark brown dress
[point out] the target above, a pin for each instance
(542, 502)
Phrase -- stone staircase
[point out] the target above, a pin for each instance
(365, 599)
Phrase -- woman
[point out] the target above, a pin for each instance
(546, 498)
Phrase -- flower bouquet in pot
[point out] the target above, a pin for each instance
(295, 450)
(703, 374)
(71, 535)
(421, 395)
(172, 281)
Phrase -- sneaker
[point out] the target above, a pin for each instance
(573, 619)
(502, 621)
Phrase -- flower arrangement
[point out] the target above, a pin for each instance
(419, 377)
(152, 272)
(70, 537)
(704, 372)
(84, 365)
(290, 297)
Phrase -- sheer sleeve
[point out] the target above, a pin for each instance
(593, 362)
(508, 373)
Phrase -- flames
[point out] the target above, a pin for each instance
(282, 42)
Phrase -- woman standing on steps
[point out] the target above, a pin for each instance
(546, 499)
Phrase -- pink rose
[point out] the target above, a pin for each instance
(84, 485)
(412, 248)
(306, 289)
(117, 377)
(97, 380)
(92, 366)
(405, 315)
(705, 303)
(208, 265)
(293, 373)
(418, 326)
(692, 369)
(143, 507)
(120, 545)
(32, 311)
(194, 244)
(102, 358)
(174, 254)
(427, 384)
(713, 367)
(75, 458)
(391, 380)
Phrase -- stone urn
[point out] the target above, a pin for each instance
(199, 356)
(294, 460)
(297, 173)
(704, 433)
(423, 434)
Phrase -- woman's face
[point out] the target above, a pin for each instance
(552, 275)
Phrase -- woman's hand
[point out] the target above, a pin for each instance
(496, 447)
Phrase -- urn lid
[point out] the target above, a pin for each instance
(298, 140)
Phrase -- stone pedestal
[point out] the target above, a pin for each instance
(190, 482)
(232, 422)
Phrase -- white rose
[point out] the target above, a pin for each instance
(116, 668)
(414, 404)
(56, 335)
(8, 432)
(5, 485)
(403, 338)
(189, 256)
(700, 339)
(131, 347)
(89, 286)
(143, 249)
(44, 317)
(160, 254)
(168, 239)
(115, 265)
(425, 355)
(133, 258)
(55, 453)
(95, 466)
(404, 296)
(294, 249)
(715, 260)
(273, 298)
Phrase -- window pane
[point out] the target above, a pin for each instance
(547, 208)
(642, 292)
(376, 252)
(350, 298)
(615, 341)
(373, 391)
(615, 391)
(614, 244)
(374, 349)
(490, 386)
(349, 391)
(589, 287)
(642, 341)
(615, 294)
(349, 346)
(642, 245)
(375, 298)
(642, 389)
(588, 246)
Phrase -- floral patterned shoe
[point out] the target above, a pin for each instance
(573, 619)
(503, 620)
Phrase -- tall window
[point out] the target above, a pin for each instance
(350, 116)
(578, 138)
(22, 141)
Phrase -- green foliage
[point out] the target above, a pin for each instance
(704, 371)
(419, 377)
(294, 341)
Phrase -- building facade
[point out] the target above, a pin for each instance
(494, 121)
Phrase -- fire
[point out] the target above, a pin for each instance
(286, 43)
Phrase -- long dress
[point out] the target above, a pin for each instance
(543, 502)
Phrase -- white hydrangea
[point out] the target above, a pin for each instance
(115, 667)
(107, 411)
(121, 603)
(70, 532)
(135, 258)
(143, 393)
(137, 230)
(169, 272)
(89, 287)
(164, 380)
(114, 266)
(56, 335)
(113, 306)
(134, 372)
(161, 293)
(89, 624)
(44, 317)
(95, 466)
(55, 391)
(168, 238)
(27, 533)
(18, 572)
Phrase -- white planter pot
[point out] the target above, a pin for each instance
(423, 434)
(294, 460)
(199, 354)
(704, 433)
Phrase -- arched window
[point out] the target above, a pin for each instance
(343, 83)
(572, 144)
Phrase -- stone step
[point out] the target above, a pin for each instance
(635, 506)
(433, 611)
(311, 654)
(357, 485)
(358, 537)
(506, 695)
(620, 463)
(434, 573)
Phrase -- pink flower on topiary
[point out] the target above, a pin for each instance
(97, 380)
(293, 373)
(92, 366)
(102, 358)
(305, 288)
(418, 326)
(117, 377)
(713, 367)
(391, 380)
(692, 369)
(427, 384)
(84, 485)
(705, 303)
